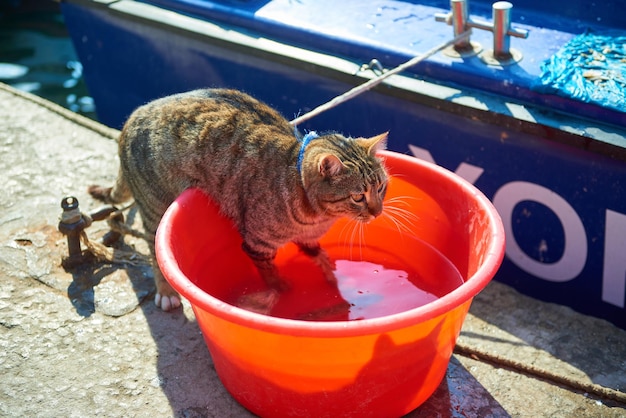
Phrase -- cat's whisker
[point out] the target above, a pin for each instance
(402, 218)
(362, 242)
(397, 175)
(343, 234)
(405, 214)
(400, 226)
(356, 226)
(403, 200)
(351, 243)
(346, 235)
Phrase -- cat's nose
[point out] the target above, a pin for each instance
(375, 209)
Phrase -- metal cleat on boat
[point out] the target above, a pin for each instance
(501, 54)
(459, 19)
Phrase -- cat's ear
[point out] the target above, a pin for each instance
(375, 143)
(330, 165)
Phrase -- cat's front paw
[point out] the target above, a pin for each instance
(279, 284)
(166, 297)
(260, 302)
(167, 302)
(328, 267)
(322, 259)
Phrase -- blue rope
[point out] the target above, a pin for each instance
(305, 141)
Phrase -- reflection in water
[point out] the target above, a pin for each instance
(37, 55)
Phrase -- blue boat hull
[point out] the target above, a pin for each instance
(559, 182)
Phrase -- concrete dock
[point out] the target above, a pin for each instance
(90, 342)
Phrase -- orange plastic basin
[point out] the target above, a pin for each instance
(377, 344)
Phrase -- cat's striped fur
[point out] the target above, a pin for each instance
(243, 154)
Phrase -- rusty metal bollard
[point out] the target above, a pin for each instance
(72, 223)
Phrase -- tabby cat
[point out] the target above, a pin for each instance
(276, 186)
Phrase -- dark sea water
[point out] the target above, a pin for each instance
(37, 55)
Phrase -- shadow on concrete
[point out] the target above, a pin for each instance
(459, 395)
(564, 343)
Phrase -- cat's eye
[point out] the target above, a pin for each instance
(382, 188)
(358, 197)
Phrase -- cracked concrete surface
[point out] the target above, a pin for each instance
(91, 343)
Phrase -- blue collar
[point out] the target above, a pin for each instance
(305, 141)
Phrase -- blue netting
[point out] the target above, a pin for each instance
(591, 67)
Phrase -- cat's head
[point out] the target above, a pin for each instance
(344, 177)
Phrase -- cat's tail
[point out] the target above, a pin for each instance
(117, 194)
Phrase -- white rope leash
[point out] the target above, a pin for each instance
(375, 81)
